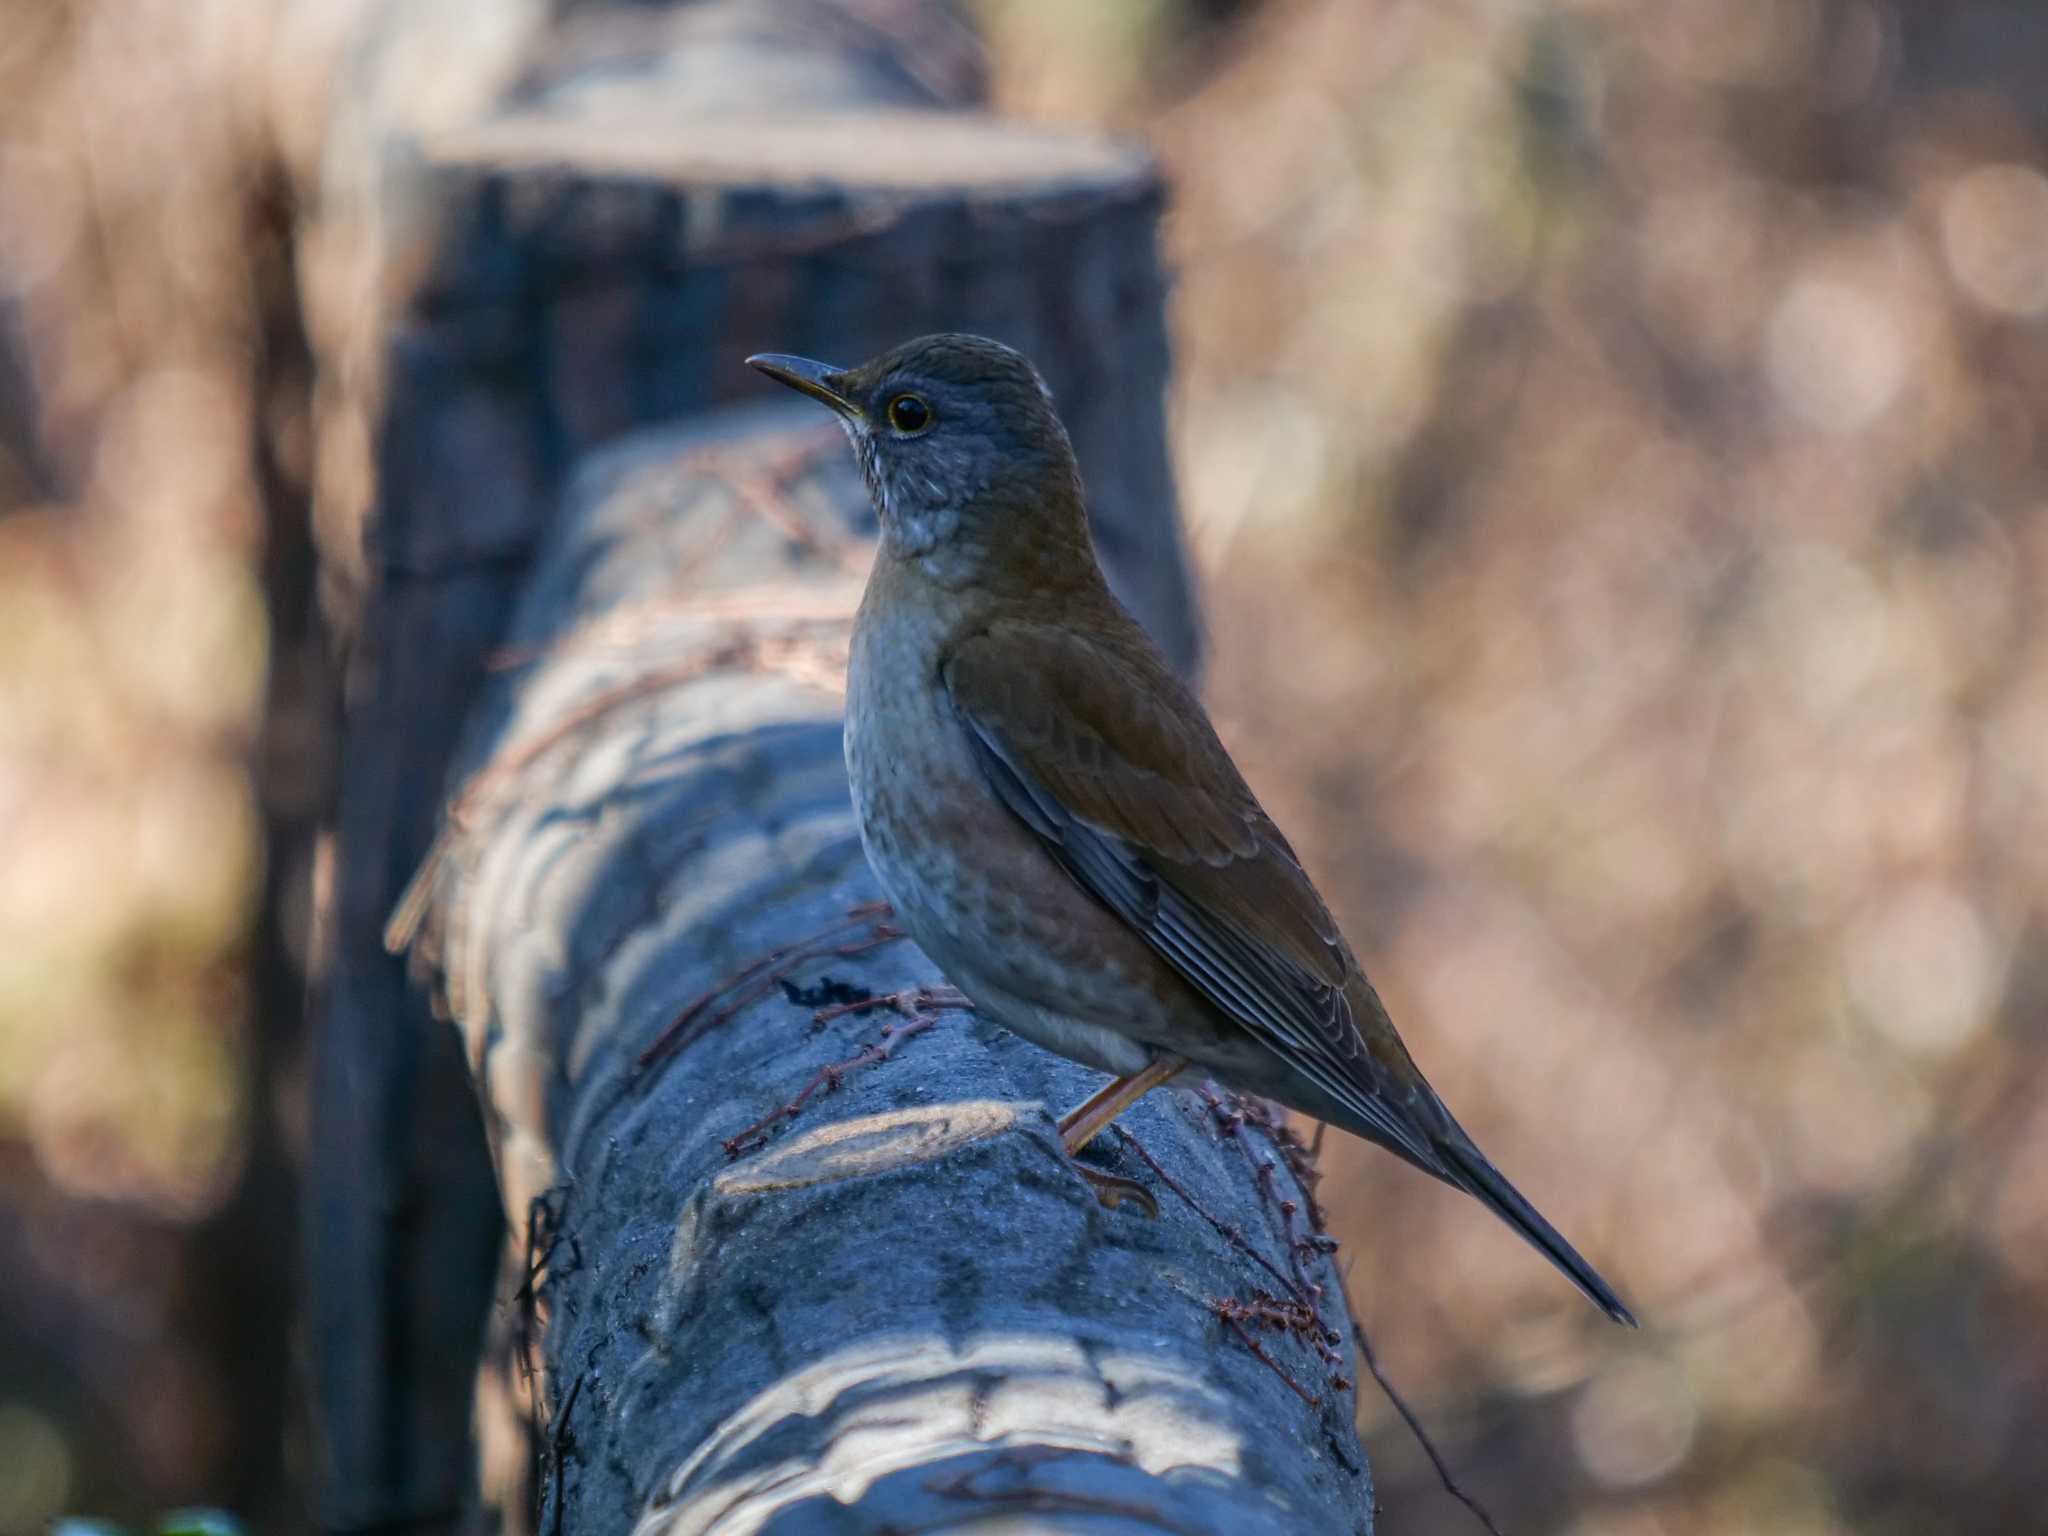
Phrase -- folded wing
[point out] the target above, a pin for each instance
(1102, 752)
(1112, 763)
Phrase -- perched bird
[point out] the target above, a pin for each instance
(1049, 809)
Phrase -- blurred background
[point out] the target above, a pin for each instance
(1610, 436)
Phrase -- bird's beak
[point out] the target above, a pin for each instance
(806, 378)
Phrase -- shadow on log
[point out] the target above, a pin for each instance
(801, 1251)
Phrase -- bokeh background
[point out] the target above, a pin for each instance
(1611, 437)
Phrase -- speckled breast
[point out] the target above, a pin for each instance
(971, 883)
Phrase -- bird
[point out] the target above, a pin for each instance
(1046, 804)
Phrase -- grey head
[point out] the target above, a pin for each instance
(963, 454)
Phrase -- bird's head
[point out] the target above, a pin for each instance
(966, 461)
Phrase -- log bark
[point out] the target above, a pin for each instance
(479, 381)
(800, 1251)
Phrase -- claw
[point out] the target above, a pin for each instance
(1113, 1191)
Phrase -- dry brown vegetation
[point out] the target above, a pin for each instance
(1611, 435)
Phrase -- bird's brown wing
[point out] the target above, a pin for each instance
(1103, 753)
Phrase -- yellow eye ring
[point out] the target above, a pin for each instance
(910, 414)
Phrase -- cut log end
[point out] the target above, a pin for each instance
(639, 135)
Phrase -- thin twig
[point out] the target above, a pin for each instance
(756, 979)
(1232, 1111)
(1303, 1322)
(921, 1008)
(1230, 1233)
(1443, 1471)
(1289, 1210)
(1299, 1155)
(557, 1426)
(544, 1238)
(1230, 1321)
(910, 1002)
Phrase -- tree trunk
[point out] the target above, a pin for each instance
(802, 1251)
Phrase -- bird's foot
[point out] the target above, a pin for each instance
(1113, 1190)
(1086, 1121)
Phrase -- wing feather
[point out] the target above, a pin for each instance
(1113, 765)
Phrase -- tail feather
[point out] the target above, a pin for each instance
(1470, 1170)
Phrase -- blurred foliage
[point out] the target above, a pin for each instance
(1614, 437)
(131, 625)
(1612, 433)
(134, 650)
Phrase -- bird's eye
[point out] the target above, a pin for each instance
(909, 414)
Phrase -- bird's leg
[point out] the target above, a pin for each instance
(1092, 1117)
(1089, 1119)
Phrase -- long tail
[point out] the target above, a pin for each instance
(1470, 1170)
